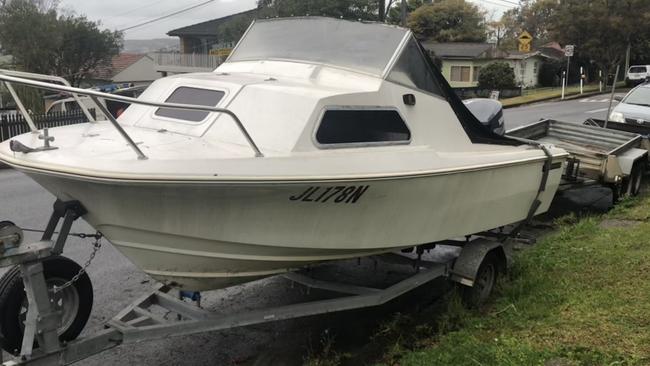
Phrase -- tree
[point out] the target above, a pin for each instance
(449, 21)
(83, 48)
(395, 11)
(496, 76)
(602, 30)
(346, 9)
(44, 42)
(533, 16)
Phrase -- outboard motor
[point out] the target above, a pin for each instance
(489, 112)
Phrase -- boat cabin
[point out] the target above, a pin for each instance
(312, 83)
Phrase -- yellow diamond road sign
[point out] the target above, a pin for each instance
(525, 39)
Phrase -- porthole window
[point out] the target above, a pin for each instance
(195, 96)
(346, 126)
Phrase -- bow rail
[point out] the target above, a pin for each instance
(16, 77)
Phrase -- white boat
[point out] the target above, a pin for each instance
(348, 143)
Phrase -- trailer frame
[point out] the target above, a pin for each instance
(139, 321)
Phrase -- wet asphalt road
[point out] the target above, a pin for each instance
(577, 110)
(117, 282)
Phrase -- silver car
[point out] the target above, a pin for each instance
(634, 107)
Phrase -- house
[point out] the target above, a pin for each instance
(205, 45)
(127, 68)
(461, 62)
(212, 34)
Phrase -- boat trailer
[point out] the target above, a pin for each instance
(164, 312)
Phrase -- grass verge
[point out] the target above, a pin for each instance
(547, 93)
(581, 296)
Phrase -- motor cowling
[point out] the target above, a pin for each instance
(489, 112)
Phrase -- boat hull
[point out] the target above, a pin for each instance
(208, 235)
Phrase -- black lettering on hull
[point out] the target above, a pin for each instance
(338, 194)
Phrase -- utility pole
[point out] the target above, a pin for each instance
(627, 58)
(403, 6)
(382, 11)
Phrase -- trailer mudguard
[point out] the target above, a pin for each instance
(627, 159)
(468, 262)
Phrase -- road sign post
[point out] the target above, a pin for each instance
(568, 52)
(582, 79)
(563, 83)
(600, 80)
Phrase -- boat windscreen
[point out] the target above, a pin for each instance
(366, 47)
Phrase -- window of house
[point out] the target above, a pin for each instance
(347, 126)
(460, 73)
(193, 96)
(477, 71)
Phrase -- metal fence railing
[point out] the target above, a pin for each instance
(14, 125)
(190, 60)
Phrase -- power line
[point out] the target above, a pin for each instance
(511, 2)
(499, 4)
(167, 16)
(157, 2)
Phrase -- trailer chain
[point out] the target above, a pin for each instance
(97, 245)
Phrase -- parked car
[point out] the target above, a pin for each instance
(116, 108)
(634, 107)
(637, 74)
(70, 104)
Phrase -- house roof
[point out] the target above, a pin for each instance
(208, 28)
(458, 49)
(118, 64)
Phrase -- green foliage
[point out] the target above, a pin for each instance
(496, 76)
(549, 73)
(533, 16)
(49, 43)
(601, 29)
(449, 21)
(395, 9)
(346, 9)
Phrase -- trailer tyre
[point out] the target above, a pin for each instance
(75, 302)
(636, 179)
(486, 279)
(618, 191)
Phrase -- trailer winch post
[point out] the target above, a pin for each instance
(42, 320)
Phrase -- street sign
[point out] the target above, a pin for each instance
(525, 39)
(568, 50)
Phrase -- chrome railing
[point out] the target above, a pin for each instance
(30, 75)
(27, 80)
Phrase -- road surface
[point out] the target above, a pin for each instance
(577, 110)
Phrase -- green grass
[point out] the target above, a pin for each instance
(547, 93)
(581, 296)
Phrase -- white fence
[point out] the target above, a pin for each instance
(187, 60)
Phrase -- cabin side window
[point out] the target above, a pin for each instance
(194, 96)
(363, 126)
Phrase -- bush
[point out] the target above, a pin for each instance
(496, 76)
(549, 73)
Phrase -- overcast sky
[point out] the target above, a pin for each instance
(119, 14)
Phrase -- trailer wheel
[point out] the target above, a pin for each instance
(636, 179)
(618, 191)
(486, 278)
(75, 302)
